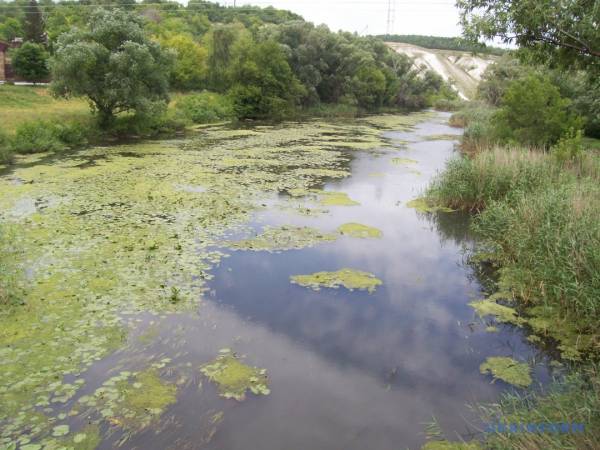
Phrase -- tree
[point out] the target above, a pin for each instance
(190, 68)
(30, 62)
(564, 31)
(34, 23)
(263, 82)
(534, 113)
(10, 29)
(113, 64)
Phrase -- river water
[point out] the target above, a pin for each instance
(347, 369)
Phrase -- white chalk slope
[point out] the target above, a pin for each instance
(462, 69)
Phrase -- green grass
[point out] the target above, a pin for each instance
(575, 399)
(22, 104)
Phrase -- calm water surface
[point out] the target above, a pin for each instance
(348, 370)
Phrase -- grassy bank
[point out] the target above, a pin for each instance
(537, 217)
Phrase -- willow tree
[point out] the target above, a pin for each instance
(113, 64)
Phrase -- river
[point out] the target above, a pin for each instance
(346, 369)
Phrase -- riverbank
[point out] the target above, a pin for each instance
(537, 218)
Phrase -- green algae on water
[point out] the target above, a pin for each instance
(423, 205)
(358, 230)
(501, 313)
(281, 238)
(349, 278)
(330, 198)
(234, 378)
(508, 370)
(403, 161)
(132, 401)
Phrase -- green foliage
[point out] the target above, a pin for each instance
(190, 66)
(263, 83)
(10, 28)
(443, 43)
(36, 136)
(498, 77)
(569, 147)
(30, 62)
(52, 135)
(113, 64)
(566, 33)
(534, 113)
(206, 107)
(34, 23)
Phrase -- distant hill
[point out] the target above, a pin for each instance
(442, 43)
(462, 69)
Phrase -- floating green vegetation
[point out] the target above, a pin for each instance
(501, 313)
(359, 230)
(508, 370)
(113, 231)
(396, 122)
(442, 137)
(330, 198)
(286, 237)
(233, 378)
(423, 205)
(349, 278)
(403, 161)
(132, 401)
(447, 445)
(491, 329)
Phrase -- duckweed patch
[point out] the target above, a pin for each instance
(234, 378)
(283, 238)
(358, 230)
(330, 198)
(423, 205)
(508, 370)
(349, 278)
(501, 313)
(132, 401)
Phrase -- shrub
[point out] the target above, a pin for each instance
(36, 136)
(205, 107)
(569, 147)
(533, 113)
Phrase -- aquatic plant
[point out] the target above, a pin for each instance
(234, 378)
(424, 205)
(508, 370)
(358, 230)
(286, 237)
(349, 278)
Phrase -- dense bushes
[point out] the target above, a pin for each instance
(42, 136)
(443, 43)
(205, 107)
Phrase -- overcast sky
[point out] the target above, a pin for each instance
(429, 17)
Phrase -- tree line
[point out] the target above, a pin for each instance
(267, 62)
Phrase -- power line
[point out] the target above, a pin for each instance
(391, 16)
